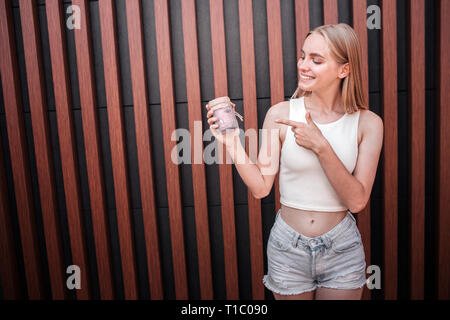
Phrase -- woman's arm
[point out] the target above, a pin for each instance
(354, 190)
(260, 176)
(249, 171)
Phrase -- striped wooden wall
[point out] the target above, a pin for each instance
(86, 123)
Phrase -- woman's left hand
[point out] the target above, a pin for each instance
(307, 134)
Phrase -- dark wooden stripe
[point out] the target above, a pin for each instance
(141, 116)
(251, 124)
(301, 23)
(198, 167)
(443, 176)
(92, 144)
(360, 27)
(67, 142)
(43, 146)
(416, 148)
(19, 154)
(390, 149)
(330, 11)
(9, 272)
(218, 48)
(118, 149)
(275, 51)
(274, 35)
(225, 169)
(169, 125)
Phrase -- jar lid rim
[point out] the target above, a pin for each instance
(219, 100)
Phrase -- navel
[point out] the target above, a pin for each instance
(312, 221)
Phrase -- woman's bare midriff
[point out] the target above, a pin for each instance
(311, 223)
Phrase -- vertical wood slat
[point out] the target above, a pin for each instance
(164, 52)
(359, 8)
(198, 169)
(301, 23)
(225, 170)
(443, 132)
(9, 272)
(251, 123)
(416, 150)
(94, 166)
(19, 154)
(274, 34)
(390, 153)
(67, 142)
(301, 30)
(330, 11)
(141, 116)
(118, 149)
(42, 146)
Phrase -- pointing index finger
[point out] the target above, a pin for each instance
(287, 122)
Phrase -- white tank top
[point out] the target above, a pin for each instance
(303, 183)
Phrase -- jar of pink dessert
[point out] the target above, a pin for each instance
(225, 114)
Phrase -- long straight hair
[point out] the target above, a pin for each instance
(345, 47)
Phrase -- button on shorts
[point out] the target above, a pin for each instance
(298, 264)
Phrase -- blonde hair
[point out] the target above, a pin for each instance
(345, 47)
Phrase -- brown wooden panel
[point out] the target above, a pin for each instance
(416, 150)
(363, 218)
(301, 23)
(67, 142)
(143, 141)
(301, 30)
(9, 272)
(198, 167)
(19, 154)
(169, 125)
(42, 146)
(225, 170)
(92, 145)
(118, 149)
(443, 172)
(274, 35)
(251, 123)
(330, 11)
(390, 152)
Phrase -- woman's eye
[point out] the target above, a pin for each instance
(315, 61)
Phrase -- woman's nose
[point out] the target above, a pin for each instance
(301, 64)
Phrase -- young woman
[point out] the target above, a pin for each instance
(327, 149)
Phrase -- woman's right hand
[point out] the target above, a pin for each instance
(228, 138)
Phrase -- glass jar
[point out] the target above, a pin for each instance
(225, 115)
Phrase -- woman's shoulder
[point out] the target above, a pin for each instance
(369, 121)
(280, 110)
(368, 118)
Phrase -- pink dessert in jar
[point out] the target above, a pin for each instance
(225, 114)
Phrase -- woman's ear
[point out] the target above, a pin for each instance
(344, 71)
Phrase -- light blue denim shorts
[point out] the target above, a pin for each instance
(298, 264)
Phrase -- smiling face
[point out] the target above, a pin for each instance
(317, 69)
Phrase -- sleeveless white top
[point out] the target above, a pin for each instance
(303, 183)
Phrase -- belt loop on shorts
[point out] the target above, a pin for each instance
(351, 215)
(327, 241)
(296, 240)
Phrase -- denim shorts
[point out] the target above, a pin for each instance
(298, 264)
